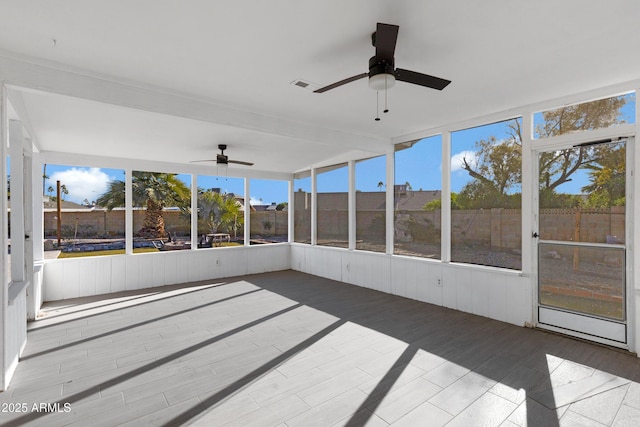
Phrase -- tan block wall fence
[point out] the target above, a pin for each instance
(499, 229)
(101, 223)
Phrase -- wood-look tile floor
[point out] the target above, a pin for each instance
(290, 349)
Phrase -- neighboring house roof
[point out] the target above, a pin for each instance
(415, 200)
(271, 207)
(52, 204)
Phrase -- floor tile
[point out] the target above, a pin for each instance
(283, 349)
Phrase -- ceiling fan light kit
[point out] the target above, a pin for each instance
(382, 81)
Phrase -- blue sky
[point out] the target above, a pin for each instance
(421, 166)
(89, 183)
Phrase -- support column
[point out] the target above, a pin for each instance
(4, 236)
(36, 222)
(445, 220)
(529, 198)
(314, 207)
(351, 204)
(390, 203)
(18, 268)
(128, 211)
(291, 212)
(194, 212)
(37, 200)
(247, 212)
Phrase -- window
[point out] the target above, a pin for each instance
(417, 197)
(591, 115)
(161, 211)
(91, 218)
(269, 211)
(371, 204)
(302, 207)
(221, 208)
(486, 195)
(333, 206)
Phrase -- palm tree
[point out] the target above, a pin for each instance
(64, 191)
(153, 190)
(219, 213)
(380, 185)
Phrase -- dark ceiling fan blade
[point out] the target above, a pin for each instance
(340, 83)
(385, 41)
(200, 161)
(239, 162)
(421, 79)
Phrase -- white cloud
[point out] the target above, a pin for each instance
(456, 160)
(82, 183)
(254, 201)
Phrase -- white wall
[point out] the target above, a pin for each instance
(495, 293)
(87, 276)
(498, 294)
(16, 333)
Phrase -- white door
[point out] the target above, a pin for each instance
(582, 235)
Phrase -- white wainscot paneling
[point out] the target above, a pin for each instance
(182, 265)
(495, 293)
(118, 273)
(16, 333)
(230, 262)
(263, 258)
(519, 300)
(131, 274)
(72, 278)
(298, 257)
(88, 277)
(145, 271)
(103, 275)
(634, 344)
(200, 266)
(416, 278)
(169, 269)
(367, 269)
(52, 282)
(324, 262)
(464, 281)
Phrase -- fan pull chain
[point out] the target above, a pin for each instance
(377, 119)
(386, 110)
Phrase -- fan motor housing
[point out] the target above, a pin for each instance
(383, 66)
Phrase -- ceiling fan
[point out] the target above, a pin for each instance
(223, 159)
(382, 72)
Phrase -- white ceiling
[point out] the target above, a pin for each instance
(242, 56)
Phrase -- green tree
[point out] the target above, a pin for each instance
(152, 190)
(607, 175)
(64, 191)
(45, 177)
(496, 167)
(219, 213)
(281, 206)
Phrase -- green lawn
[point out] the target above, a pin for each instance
(100, 253)
(121, 251)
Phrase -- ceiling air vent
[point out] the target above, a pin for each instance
(304, 84)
